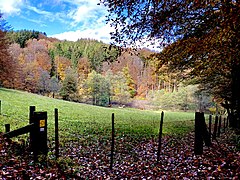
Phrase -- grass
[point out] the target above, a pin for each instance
(78, 120)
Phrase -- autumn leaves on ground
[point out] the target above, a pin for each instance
(85, 145)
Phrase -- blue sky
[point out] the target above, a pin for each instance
(63, 19)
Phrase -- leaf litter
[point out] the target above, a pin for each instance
(132, 160)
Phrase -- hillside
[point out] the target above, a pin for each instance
(81, 118)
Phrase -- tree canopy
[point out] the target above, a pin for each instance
(6, 64)
(96, 52)
(201, 38)
(22, 36)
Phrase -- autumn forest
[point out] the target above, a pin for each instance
(90, 71)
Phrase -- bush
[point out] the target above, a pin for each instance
(183, 99)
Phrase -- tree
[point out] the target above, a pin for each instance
(40, 52)
(69, 86)
(98, 88)
(22, 36)
(96, 52)
(118, 87)
(130, 83)
(201, 38)
(44, 82)
(186, 98)
(6, 63)
(53, 66)
(54, 85)
(62, 65)
(16, 53)
(83, 67)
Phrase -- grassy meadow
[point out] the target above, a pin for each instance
(78, 120)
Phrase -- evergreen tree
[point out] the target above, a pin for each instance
(69, 86)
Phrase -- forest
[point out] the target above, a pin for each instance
(90, 71)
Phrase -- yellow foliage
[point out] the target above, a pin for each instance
(62, 65)
(212, 110)
(21, 59)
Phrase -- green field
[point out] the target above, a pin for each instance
(78, 120)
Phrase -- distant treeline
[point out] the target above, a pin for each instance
(22, 36)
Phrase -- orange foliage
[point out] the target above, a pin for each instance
(83, 67)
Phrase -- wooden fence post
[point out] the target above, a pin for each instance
(224, 124)
(31, 121)
(215, 128)
(210, 127)
(219, 126)
(112, 145)
(56, 134)
(0, 107)
(198, 143)
(7, 128)
(205, 133)
(231, 120)
(40, 134)
(160, 137)
(227, 123)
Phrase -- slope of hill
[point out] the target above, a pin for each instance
(77, 118)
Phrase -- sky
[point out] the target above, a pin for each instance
(63, 19)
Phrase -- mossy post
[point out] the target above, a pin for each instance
(0, 107)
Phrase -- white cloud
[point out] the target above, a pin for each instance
(87, 12)
(47, 15)
(82, 14)
(41, 12)
(88, 19)
(10, 6)
(103, 34)
(77, 2)
(100, 33)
